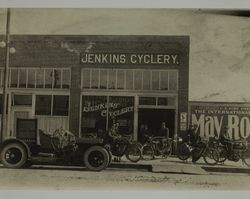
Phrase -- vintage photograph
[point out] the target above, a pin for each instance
(140, 99)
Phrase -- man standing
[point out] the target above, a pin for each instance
(164, 131)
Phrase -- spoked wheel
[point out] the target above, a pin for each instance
(222, 154)
(211, 156)
(246, 157)
(147, 152)
(14, 155)
(96, 158)
(184, 151)
(167, 150)
(133, 152)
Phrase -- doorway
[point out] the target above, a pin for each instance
(21, 108)
(152, 119)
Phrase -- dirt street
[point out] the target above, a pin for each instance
(119, 179)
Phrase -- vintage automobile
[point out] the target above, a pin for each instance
(32, 146)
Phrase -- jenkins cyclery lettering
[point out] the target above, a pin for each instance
(100, 58)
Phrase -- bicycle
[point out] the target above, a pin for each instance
(156, 146)
(121, 145)
(234, 151)
(200, 149)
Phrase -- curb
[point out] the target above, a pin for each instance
(180, 169)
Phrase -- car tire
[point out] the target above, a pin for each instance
(14, 155)
(96, 158)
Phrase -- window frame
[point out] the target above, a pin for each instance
(132, 73)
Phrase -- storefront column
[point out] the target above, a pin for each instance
(136, 103)
(75, 92)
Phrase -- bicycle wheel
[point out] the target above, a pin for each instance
(246, 157)
(211, 156)
(167, 150)
(133, 152)
(222, 154)
(184, 151)
(147, 152)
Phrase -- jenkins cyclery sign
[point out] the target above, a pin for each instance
(212, 118)
(114, 58)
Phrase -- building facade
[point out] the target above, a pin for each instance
(91, 84)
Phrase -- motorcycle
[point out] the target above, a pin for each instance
(234, 151)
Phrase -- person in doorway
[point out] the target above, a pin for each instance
(164, 131)
(144, 133)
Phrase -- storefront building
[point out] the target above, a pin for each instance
(89, 84)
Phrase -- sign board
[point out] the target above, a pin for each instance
(212, 118)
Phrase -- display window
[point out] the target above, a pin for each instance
(101, 113)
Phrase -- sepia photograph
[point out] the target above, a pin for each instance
(125, 98)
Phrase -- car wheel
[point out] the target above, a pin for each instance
(14, 155)
(96, 158)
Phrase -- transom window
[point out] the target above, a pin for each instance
(129, 79)
(157, 101)
(50, 78)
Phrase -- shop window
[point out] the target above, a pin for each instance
(121, 114)
(40, 78)
(155, 80)
(120, 79)
(164, 80)
(146, 80)
(103, 79)
(94, 113)
(60, 105)
(95, 79)
(147, 101)
(22, 100)
(86, 78)
(43, 105)
(138, 80)
(173, 80)
(49, 77)
(13, 78)
(129, 80)
(65, 78)
(57, 78)
(166, 101)
(31, 78)
(112, 79)
(22, 78)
